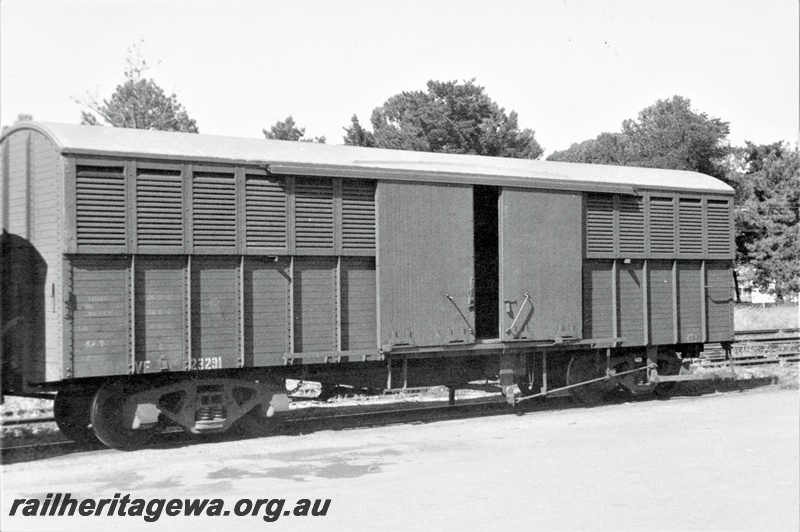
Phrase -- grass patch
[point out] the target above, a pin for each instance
(749, 317)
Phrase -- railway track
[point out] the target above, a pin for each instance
(349, 417)
(751, 348)
(27, 421)
(307, 420)
(765, 333)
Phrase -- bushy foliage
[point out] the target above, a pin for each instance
(670, 134)
(138, 103)
(768, 216)
(667, 134)
(356, 135)
(449, 117)
(607, 148)
(288, 130)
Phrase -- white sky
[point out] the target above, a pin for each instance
(571, 69)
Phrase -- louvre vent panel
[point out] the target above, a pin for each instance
(159, 208)
(314, 214)
(358, 215)
(214, 209)
(690, 226)
(718, 227)
(100, 206)
(265, 212)
(631, 225)
(600, 223)
(662, 226)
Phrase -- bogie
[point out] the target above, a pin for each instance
(127, 414)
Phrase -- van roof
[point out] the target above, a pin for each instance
(305, 158)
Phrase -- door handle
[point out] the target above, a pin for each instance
(453, 301)
(519, 312)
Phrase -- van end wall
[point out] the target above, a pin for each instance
(32, 215)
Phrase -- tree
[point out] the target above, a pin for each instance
(288, 130)
(768, 217)
(357, 135)
(607, 148)
(667, 134)
(448, 118)
(22, 117)
(138, 103)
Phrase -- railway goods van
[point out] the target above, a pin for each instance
(156, 279)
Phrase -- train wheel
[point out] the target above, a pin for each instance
(583, 368)
(72, 413)
(113, 418)
(668, 364)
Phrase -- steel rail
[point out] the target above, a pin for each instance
(27, 421)
(754, 332)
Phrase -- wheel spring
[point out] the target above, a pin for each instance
(210, 408)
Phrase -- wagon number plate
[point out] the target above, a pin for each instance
(207, 363)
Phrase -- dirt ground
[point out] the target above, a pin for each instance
(726, 461)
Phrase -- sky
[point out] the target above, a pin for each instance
(571, 69)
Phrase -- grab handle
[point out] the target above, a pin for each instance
(519, 313)
(453, 301)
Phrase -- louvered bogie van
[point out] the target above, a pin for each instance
(158, 279)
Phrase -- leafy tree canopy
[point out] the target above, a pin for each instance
(288, 130)
(667, 134)
(768, 216)
(356, 135)
(607, 148)
(138, 103)
(449, 118)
